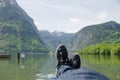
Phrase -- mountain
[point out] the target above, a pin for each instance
(18, 32)
(108, 32)
(53, 39)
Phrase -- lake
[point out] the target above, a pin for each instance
(37, 66)
(108, 65)
(32, 66)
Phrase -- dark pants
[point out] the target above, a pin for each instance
(67, 73)
(63, 69)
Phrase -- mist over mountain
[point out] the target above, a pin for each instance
(53, 39)
(18, 32)
(108, 32)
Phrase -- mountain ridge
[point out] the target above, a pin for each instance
(53, 39)
(108, 32)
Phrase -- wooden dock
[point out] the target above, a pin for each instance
(5, 56)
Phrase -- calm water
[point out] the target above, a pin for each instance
(31, 67)
(107, 65)
(42, 66)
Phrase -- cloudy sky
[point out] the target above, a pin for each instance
(70, 15)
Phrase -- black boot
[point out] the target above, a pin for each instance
(62, 55)
(75, 62)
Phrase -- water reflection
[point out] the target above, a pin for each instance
(106, 64)
(48, 68)
(28, 67)
(34, 66)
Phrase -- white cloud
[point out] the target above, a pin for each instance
(72, 30)
(74, 20)
(61, 16)
(102, 15)
(37, 23)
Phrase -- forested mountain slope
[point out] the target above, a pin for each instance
(17, 30)
(108, 32)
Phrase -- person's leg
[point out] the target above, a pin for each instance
(62, 59)
(63, 69)
(74, 63)
(64, 64)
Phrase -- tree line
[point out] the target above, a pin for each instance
(104, 49)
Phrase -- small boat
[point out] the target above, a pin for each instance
(5, 55)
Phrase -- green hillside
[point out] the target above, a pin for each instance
(17, 30)
(108, 32)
